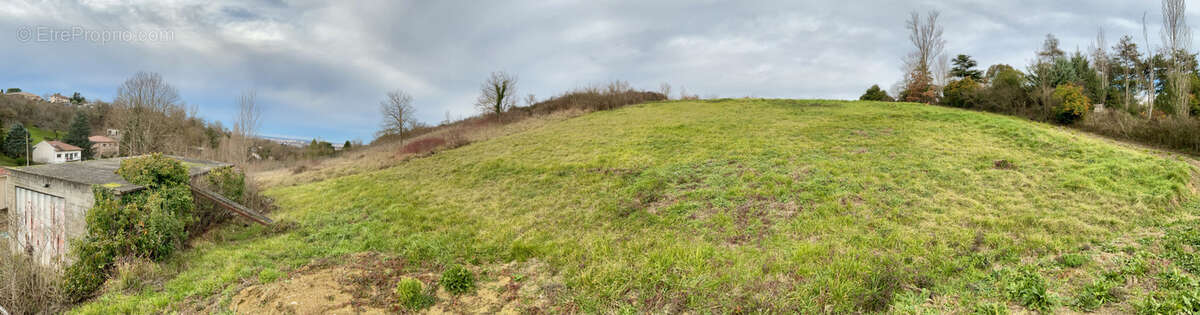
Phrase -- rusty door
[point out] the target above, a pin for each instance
(42, 227)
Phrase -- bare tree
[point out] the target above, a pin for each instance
(398, 113)
(926, 39)
(144, 100)
(245, 127)
(941, 70)
(1149, 74)
(1177, 37)
(928, 45)
(497, 95)
(1102, 63)
(665, 89)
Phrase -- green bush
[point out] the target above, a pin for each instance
(876, 94)
(151, 223)
(153, 171)
(458, 280)
(229, 182)
(1072, 104)
(411, 296)
(960, 93)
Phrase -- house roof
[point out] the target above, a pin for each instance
(104, 172)
(100, 139)
(62, 146)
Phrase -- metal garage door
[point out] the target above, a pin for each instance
(42, 225)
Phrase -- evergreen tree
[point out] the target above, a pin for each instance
(16, 145)
(78, 134)
(77, 99)
(346, 146)
(964, 68)
(873, 94)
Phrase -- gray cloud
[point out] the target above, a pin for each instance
(321, 67)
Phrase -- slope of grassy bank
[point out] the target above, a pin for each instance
(744, 205)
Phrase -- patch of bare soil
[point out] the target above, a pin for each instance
(364, 284)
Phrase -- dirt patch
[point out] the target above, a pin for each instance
(365, 283)
(1004, 165)
(313, 292)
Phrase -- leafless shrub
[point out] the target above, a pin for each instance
(26, 287)
(1177, 133)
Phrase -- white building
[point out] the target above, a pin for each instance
(55, 152)
(59, 98)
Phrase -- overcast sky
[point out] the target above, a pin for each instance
(320, 68)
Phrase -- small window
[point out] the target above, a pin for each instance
(59, 155)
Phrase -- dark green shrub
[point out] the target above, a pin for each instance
(153, 171)
(960, 93)
(458, 280)
(411, 296)
(876, 94)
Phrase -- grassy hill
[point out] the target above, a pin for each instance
(36, 135)
(738, 205)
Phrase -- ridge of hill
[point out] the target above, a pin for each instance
(725, 206)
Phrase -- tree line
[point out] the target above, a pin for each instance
(1138, 91)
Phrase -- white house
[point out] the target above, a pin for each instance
(55, 152)
(59, 98)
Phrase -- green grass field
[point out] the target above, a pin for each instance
(752, 205)
(38, 134)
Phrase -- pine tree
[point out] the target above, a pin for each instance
(16, 145)
(78, 134)
(964, 67)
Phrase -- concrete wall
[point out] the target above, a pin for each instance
(71, 225)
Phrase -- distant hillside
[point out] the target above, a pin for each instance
(724, 206)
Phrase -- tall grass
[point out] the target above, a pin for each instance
(25, 286)
(1180, 134)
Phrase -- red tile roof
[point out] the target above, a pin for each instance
(101, 139)
(61, 146)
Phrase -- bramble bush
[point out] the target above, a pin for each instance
(151, 223)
